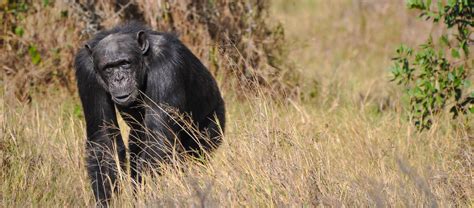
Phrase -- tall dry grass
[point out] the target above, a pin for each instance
(274, 154)
(344, 141)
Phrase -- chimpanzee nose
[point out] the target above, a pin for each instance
(119, 77)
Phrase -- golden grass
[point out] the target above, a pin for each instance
(348, 144)
(274, 154)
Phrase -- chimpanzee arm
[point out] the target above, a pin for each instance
(103, 135)
(165, 89)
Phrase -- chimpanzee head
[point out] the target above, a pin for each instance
(118, 61)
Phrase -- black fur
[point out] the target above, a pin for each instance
(167, 76)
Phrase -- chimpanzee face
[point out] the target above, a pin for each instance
(118, 60)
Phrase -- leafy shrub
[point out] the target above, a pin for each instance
(437, 75)
(233, 38)
(37, 46)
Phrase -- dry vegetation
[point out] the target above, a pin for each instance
(343, 141)
(233, 38)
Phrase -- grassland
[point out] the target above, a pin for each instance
(344, 141)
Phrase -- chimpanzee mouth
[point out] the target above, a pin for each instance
(122, 98)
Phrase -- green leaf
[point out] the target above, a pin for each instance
(451, 3)
(444, 40)
(417, 92)
(439, 100)
(35, 56)
(396, 69)
(460, 71)
(440, 6)
(19, 31)
(465, 47)
(455, 53)
(77, 111)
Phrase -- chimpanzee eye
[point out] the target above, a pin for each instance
(125, 64)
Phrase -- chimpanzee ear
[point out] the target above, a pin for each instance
(88, 48)
(143, 42)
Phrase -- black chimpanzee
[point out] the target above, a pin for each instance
(145, 75)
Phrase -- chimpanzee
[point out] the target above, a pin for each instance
(148, 77)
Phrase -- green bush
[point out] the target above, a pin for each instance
(436, 75)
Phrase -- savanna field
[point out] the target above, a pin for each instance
(338, 137)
